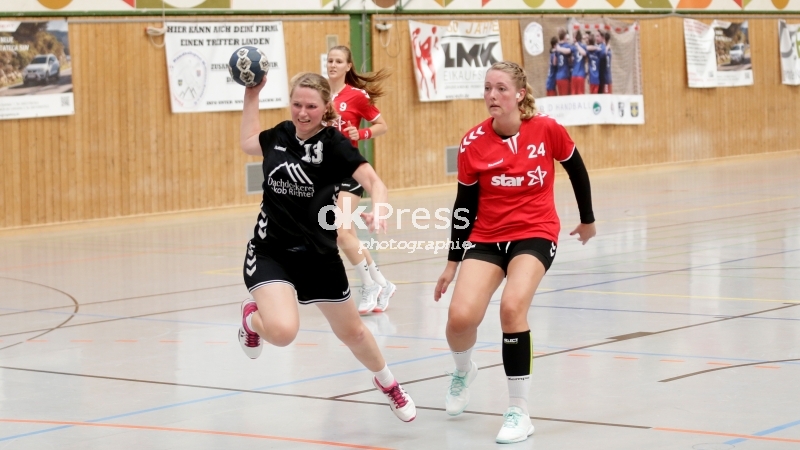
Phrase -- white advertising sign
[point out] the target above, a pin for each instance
(197, 64)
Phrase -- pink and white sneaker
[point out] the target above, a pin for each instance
(249, 340)
(400, 402)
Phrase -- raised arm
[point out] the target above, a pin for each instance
(251, 127)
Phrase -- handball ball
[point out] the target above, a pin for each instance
(248, 65)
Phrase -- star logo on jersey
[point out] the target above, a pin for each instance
(537, 177)
(468, 139)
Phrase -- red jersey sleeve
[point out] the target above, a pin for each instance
(563, 146)
(368, 111)
(466, 171)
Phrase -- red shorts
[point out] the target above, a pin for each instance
(607, 89)
(594, 88)
(578, 85)
(563, 87)
(552, 93)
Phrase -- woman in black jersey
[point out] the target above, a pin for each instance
(293, 255)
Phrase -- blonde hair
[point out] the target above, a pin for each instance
(317, 82)
(527, 107)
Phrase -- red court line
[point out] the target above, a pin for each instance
(624, 357)
(766, 367)
(714, 433)
(719, 364)
(671, 360)
(127, 341)
(396, 346)
(489, 351)
(81, 340)
(575, 354)
(192, 430)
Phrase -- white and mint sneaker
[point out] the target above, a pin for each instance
(386, 293)
(369, 298)
(457, 398)
(517, 426)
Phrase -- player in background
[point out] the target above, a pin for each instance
(593, 56)
(607, 55)
(354, 97)
(563, 77)
(578, 49)
(506, 168)
(550, 83)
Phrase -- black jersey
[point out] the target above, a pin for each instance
(300, 179)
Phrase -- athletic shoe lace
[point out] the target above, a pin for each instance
(398, 397)
(457, 384)
(511, 419)
(251, 339)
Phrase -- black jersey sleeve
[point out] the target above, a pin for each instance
(342, 158)
(579, 178)
(267, 138)
(465, 208)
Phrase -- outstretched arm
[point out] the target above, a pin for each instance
(579, 178)
(465, 210)
(251, 128)
(366, 176)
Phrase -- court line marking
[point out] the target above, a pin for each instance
(702, 208)
(767, 431)
(716, 433)
(667, 380)
(193, 431)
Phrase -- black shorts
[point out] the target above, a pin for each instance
(315, 277)
(501, 253)
(352, 186)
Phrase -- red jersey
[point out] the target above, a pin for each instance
(352, 105)
(515, 175)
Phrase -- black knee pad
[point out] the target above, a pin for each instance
(517, 353)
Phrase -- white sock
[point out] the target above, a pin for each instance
(376, 274)
(518, 390)
(363, 271)
(384, 376)
(463, 360)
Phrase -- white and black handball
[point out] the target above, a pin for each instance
(248, 66)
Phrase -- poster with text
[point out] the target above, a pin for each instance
(584, 71)
(450, 63)
(717, 55)
(197, 64)
(35, 70)
(788, 37)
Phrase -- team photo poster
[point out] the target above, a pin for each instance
(584, 71)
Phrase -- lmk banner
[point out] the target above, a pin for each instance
(451, 63)
(197, 64)
(717, 55)
(789, 38)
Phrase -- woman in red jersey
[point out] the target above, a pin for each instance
(505, 173)
(354, 99)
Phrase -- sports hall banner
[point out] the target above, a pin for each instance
(717, 55)
(789, 38)
(35, 70)
(197, 64)
(451, 63)
(393, 6)
(584, 71)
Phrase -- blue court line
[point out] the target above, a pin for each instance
(672, 355)
(765, 432)
(231, 394)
